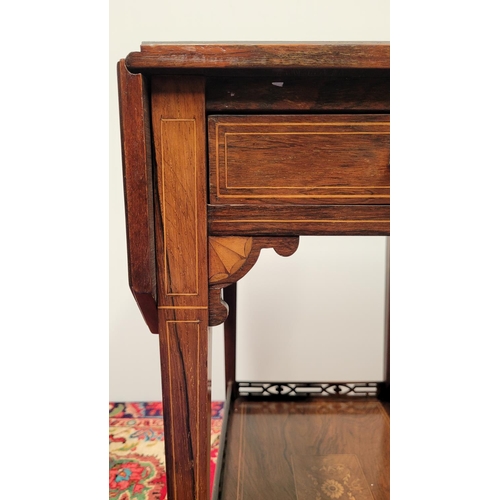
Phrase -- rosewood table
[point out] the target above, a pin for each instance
(228, 149)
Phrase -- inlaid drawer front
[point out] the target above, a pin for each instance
(327, 159)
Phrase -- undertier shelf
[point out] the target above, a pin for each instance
(304, 448)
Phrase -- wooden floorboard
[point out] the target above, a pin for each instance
(320, 449)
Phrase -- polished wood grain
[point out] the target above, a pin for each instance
(348, 92)
(338, 159)
(230, 258)
(178, 121)
(288, 220)
(186, 404)
(254, 55)
(179, 136)
(138, 192)
(218, 308)
(293, 450)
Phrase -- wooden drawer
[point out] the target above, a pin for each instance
(323, 159)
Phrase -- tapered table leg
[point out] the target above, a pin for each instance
(186, 403)
(178, 123)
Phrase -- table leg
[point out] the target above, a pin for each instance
(229, 295)
(178, 122)
(186, 403)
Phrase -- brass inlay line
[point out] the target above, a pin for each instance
(195, 204)
(309, 188)
(305, 195)
(198, 394)
(182, 307)
(307, 133)
(300, 124)
(183, 321)
(328, 221)
(217, 159)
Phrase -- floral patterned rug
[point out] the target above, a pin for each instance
(136, 453)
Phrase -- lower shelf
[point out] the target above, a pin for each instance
(314, 448)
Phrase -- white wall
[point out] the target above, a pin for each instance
(331, 330)
(316, 316)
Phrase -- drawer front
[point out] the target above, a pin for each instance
(324, 159)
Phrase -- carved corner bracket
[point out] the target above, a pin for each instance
(231, 257)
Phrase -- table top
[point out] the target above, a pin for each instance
(258, 55)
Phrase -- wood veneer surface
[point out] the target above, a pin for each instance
(337, 159)
(307, 450)
(255, 55)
